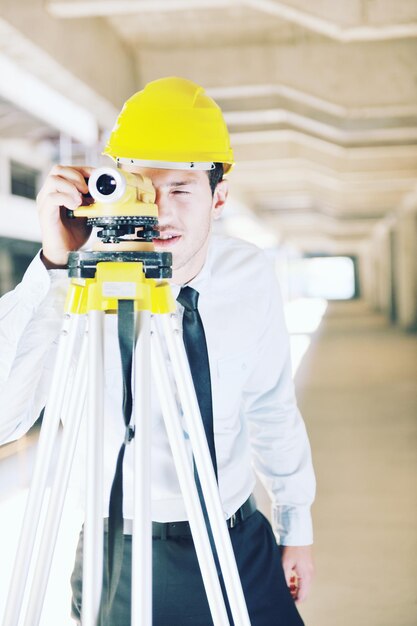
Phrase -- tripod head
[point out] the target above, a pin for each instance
(124, 206)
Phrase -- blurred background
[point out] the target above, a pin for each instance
(320, 98)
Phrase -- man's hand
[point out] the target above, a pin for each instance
(297, 562)
(62, 190)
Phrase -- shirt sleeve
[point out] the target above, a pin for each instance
(30, 322)
(280, 445)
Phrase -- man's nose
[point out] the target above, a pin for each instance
(164, 207)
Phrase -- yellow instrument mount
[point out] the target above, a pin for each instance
(114, 281)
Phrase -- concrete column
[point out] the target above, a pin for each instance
(379, 261)
(371, 274)
(363, 265)
(406, 269)
(383, 251)
(392, 291)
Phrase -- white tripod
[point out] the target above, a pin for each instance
(156, 323)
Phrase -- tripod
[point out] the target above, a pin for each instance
(100, 287)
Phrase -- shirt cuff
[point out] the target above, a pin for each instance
(292, 525)
(38, 282)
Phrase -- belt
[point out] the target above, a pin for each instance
(163, 530)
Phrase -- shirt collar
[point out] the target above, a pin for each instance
(200, 281)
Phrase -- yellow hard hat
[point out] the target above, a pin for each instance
(172, 124)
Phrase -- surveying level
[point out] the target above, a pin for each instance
(124, 208)
(122, 276)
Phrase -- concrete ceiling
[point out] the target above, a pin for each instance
(320, 97)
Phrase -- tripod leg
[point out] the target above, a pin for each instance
(142, 522)
(40, 473)
(73, 415)
(93, 525)
(186, 479)
(205, 469)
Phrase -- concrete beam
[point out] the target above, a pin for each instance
(300, 15)
(83, 60)
(95, 8)
(322, 25)
(314, 243)
(299, 175)
(315, 222)
(251, 94)
(363, 82)
(263, 169)
(40, 101)
(273, 118)
(269, 148)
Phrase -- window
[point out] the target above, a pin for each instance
(15, 256)
(330, 277)
(24, 180)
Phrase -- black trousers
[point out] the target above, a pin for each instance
(179, 597)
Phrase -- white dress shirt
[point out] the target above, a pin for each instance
(256, 420)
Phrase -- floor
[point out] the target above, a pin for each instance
(357, 391)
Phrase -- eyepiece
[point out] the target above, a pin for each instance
(106, 184)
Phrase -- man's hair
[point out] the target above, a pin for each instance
(215, 176)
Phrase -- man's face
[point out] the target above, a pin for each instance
(186, 212)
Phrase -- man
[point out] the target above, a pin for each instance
(173, 133)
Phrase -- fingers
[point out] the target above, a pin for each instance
(304, 573)
(68, 200)
(68, 180)
(297, 563)
(288, 565)
(75, 174)
(294, 586)
(63, 187)
(299, 588)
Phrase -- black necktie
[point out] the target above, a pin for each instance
(196, 349)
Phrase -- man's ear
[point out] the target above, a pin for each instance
(219, 198)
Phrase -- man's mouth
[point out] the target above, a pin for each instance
(166, 239)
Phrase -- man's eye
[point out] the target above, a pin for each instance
(180, 191)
